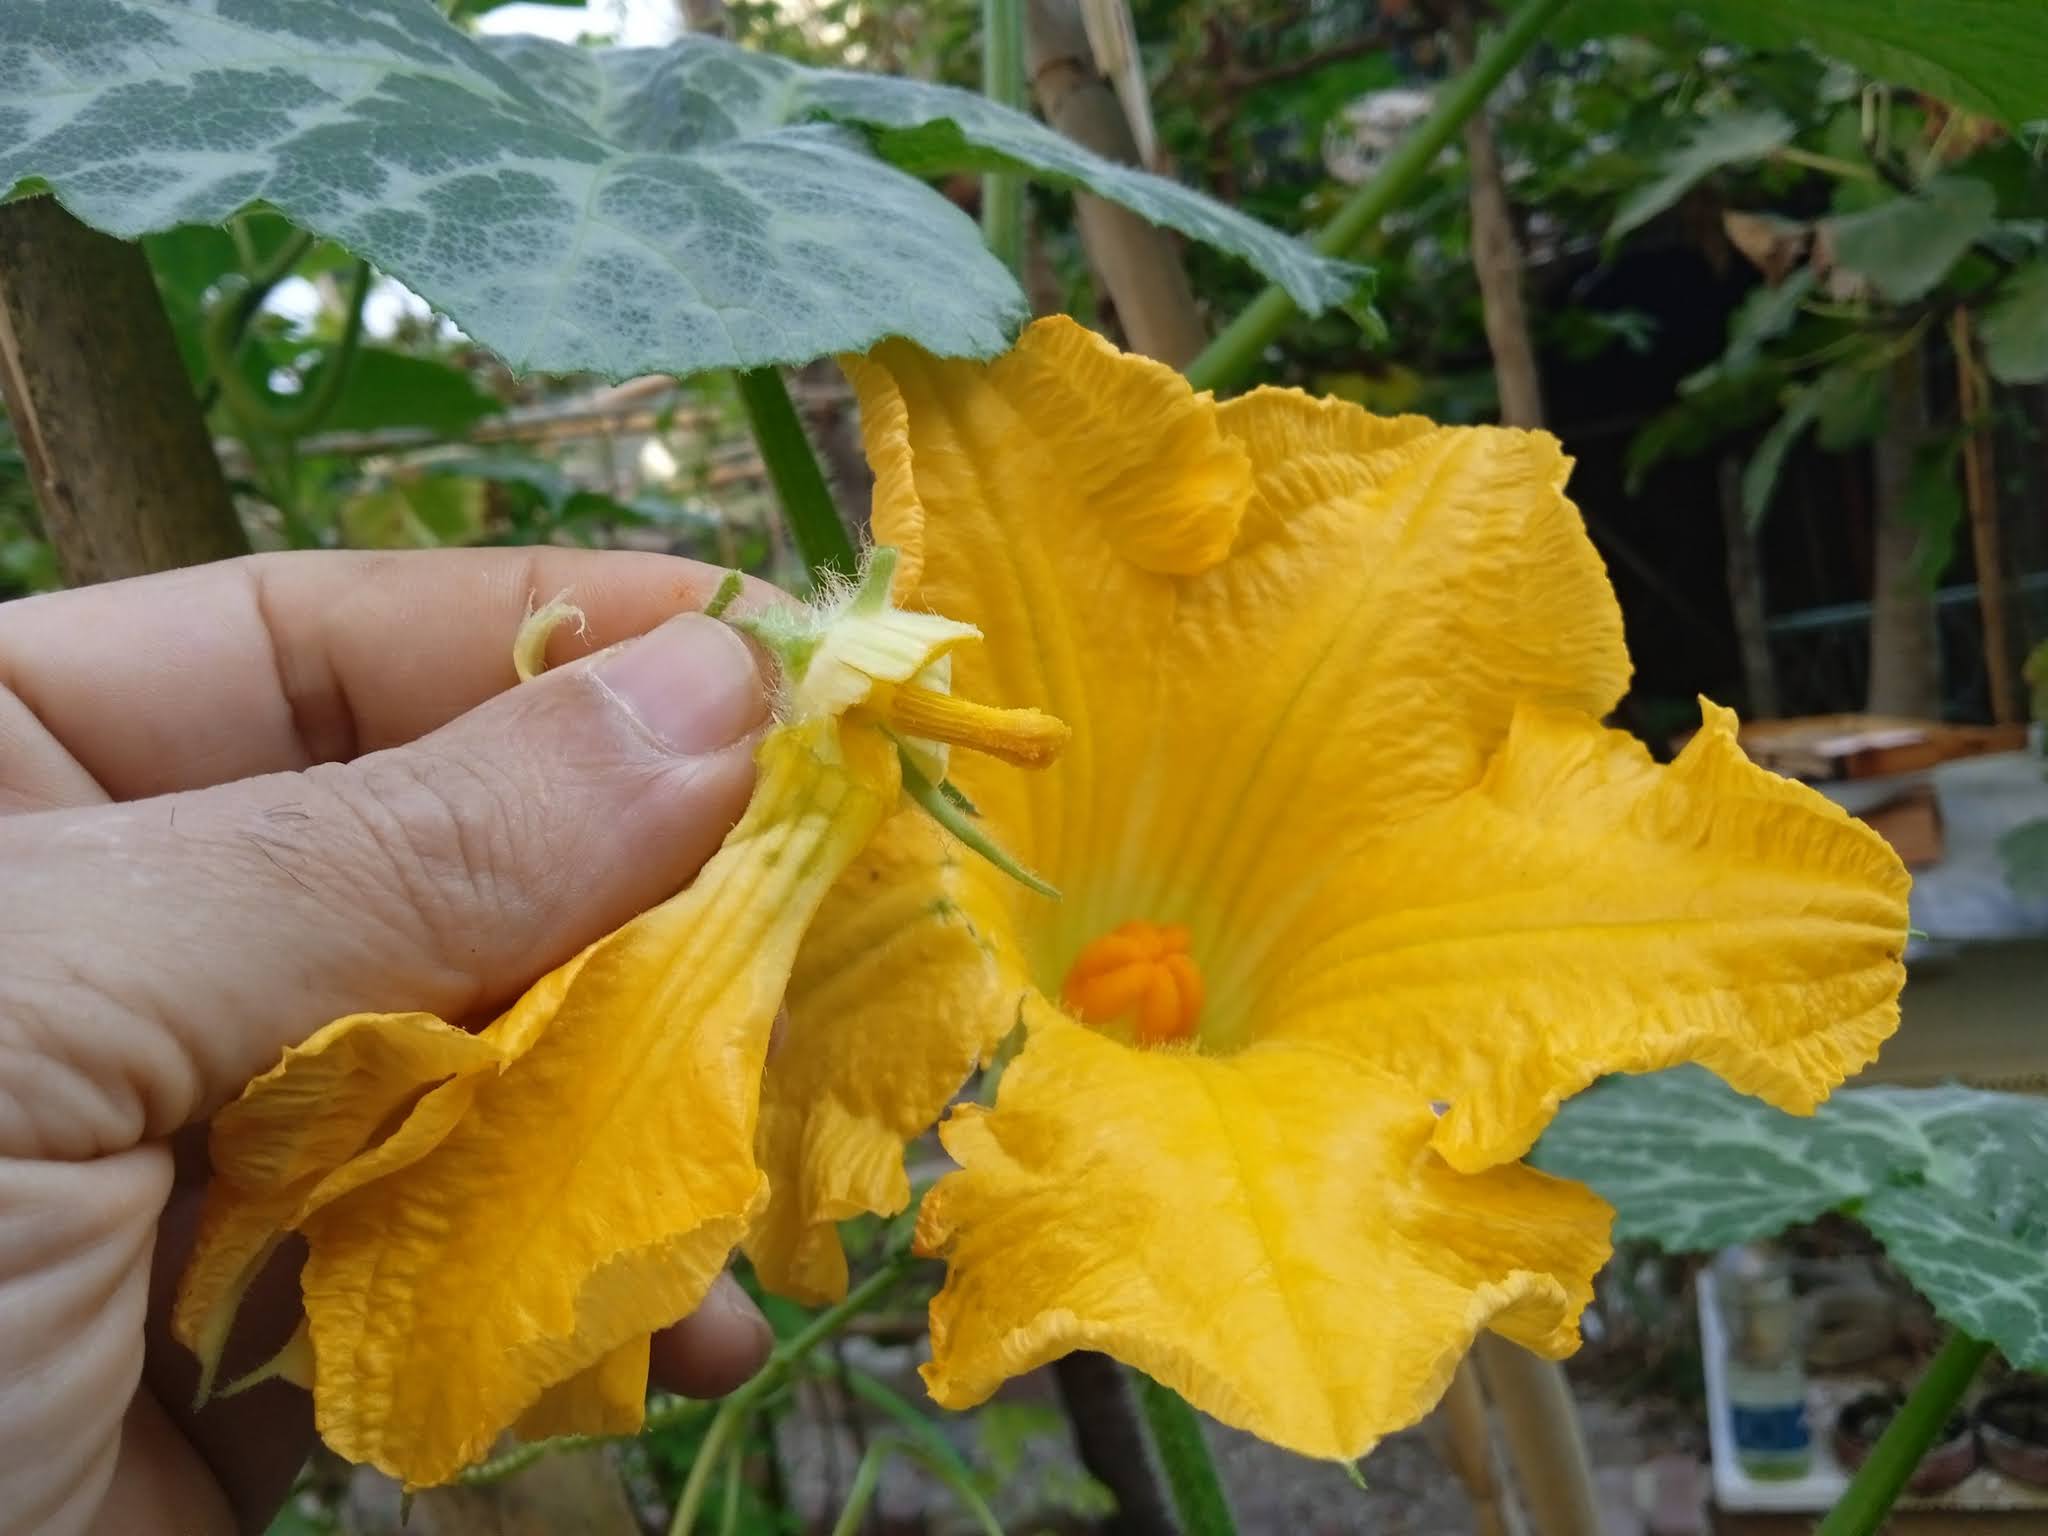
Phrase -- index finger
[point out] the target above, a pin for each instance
(272, 663)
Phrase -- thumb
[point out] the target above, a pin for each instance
(164, 951)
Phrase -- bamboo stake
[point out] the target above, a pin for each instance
(1980, 491)
(1138, 264)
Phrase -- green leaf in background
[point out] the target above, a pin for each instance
(1988, 55)
(384, 388)
(1733, 138)
(613, 210)
(1953, 1182)
(1933, 507)
(1850, 406)
(2014, 328)
(2024, 852)
(1760, 474)
(1906, 246)
(1764, 315)
(419, 512)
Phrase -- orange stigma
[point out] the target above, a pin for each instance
(1140, 973)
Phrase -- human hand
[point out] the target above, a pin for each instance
(237, 802)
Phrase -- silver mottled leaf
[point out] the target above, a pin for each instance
(1952, 1181)
(619, 210)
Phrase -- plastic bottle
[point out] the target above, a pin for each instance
(1766, 1363)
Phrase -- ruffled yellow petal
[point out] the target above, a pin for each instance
(344, 1092)
(609, 1398)
(895, 998)
(1360, 606)
(496, 1222)
(591, 1191)
(1584, 911)
(1270, 1235)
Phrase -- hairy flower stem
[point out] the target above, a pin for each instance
(1865, 1504)
(1002, 81)
(1234, 354)
(799, 484)
(1198, 1496)
(740, 1404)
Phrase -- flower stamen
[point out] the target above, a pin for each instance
(1139, 974)
(1027, 738)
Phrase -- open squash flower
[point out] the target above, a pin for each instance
(496, 1222)
(1357, 888)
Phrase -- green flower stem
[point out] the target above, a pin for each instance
(1863, 1508)
(1002, 81)
(1234, 354)
(679, 1411)
(799, 483)
(729, 1516)
(1198, 1496)
(867, 1478)
(741, 1403)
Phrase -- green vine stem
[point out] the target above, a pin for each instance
(1002, 81)
(740, 1404)
(867, 1478)
(735, 1466)
(799, 483)
(257, 409)
(1868, 1500)
(233, 314)
(1198, 1496)
(680, 1411)
(1234, 354)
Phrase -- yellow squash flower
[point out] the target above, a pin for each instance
(1357, 888)
(496, 1222)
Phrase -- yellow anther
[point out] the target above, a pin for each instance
(1139, 974)
(1029, 738)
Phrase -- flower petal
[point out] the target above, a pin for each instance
(1390, 590)
(609, 1398)
(1583, 911)
(1270, 1235)
(535, 1226)
(895, 998)
(327, 1102)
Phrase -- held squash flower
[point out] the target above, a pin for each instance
(496, 1222)
(1357, 888)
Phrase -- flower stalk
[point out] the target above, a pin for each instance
(1002, 81)
(1867, 1502)
(799, 484)
(1198, 1496)
(1234, 354)
(741, 1404)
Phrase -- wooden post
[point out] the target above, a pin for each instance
(1746, 596)
(1905, 658)
(1468, 1446)
(1980, 491)
(117, 452)
(1137, 263)
(1496, 253)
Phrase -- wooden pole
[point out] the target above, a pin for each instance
(1496, 252)
(1905, 658)
(1538, 1419)
(118, 454)
(1138, 264)
(1980, 492)
(1468, 1446)
(1746, 596)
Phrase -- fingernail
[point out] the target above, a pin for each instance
(692, 683)
(727, 1296)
